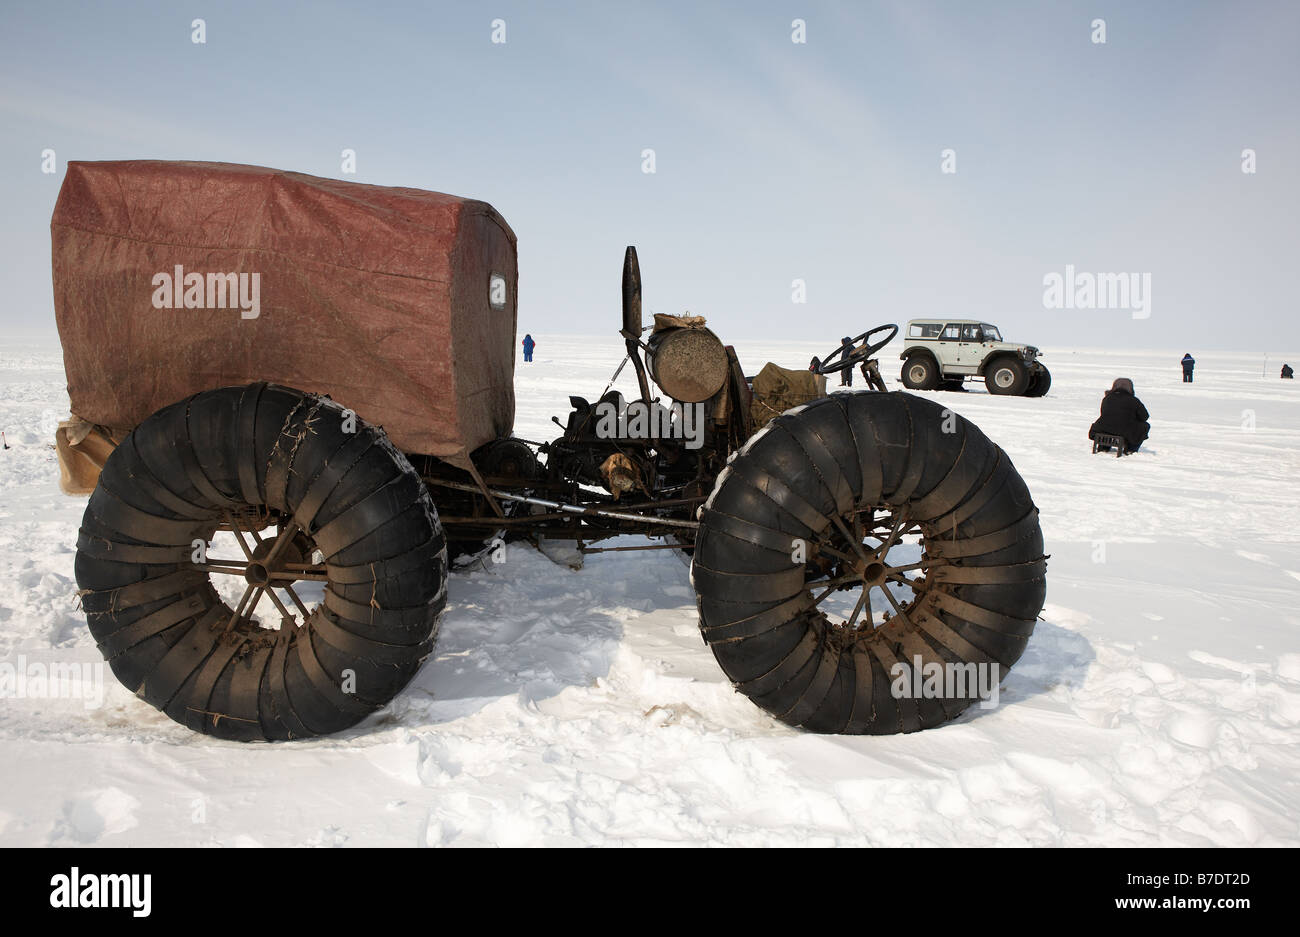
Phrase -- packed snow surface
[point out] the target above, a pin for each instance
(1157, 703)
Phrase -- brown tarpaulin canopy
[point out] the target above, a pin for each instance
(777, 389)
(376, 296)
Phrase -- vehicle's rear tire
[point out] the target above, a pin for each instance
(984, 569)
(1006, 376)
(1039, 383)
(920, 373)
(229, 454)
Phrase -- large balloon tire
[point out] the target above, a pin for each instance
(169, 637)
(896, 450)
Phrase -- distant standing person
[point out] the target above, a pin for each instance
(1287, 373)
(1123, 415)
(1188, 363)
(814, 364)
(529, 345)
(846, 376)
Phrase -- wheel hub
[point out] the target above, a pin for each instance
(269, 566)
(291, 552)
(855, 555)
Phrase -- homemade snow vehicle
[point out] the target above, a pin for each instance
(320, 374)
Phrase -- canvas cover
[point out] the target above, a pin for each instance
(777, 389)
(380, 297)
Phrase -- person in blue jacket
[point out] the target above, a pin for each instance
(1188, 363)
(529, 344)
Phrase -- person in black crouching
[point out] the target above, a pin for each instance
(1123, 415)
(1287, 373)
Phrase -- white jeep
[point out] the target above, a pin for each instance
(939, 354)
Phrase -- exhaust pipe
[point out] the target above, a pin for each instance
(632, 326)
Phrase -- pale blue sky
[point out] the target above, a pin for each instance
(775, 160)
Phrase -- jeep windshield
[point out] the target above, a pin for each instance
(991, 333)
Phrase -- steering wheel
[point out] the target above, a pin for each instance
(830, 366)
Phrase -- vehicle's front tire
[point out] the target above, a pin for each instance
(1039, 383)
(920, 373)
(337, 488)
(1006, 376)
(777, 536)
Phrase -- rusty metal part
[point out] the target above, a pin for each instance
(690, 364)
(574, 509)
(487, 492)
(270, 564)
(632, 327)
(511, 460)
(666, 503)
(871, 374)
(862, 566)
(648, 546)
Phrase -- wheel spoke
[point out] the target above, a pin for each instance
(858, 607)
(221, 567)
(900, 578)
(257, 597)
(292, 576)
(239, 535)
(822, 547)
(919, 564)
(883, 550)
(296, 601)
(288, 618)
(898, 609)
(831, 586)
(907, 530)
(818, 600)
(282, 541)
(886, 542)
(239, 609)
(837, 581)
(844, 531)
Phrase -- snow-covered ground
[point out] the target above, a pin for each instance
(1157, 703)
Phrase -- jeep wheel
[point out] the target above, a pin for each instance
(857, 494)
(920, 373)
(954, 385)
(1039, 384)
(345, 509)
(1006, 376)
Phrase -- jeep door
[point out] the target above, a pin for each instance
(945, 348)
(970, 350)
